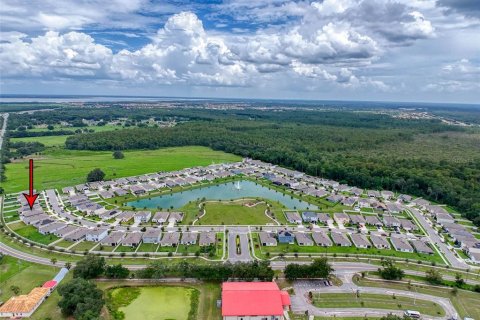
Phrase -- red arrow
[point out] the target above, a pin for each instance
(31, 197)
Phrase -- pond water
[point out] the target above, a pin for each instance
(224, 191)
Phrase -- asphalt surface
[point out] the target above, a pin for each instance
(244, 255)
(435, 239)
(300, 302)
(4, 128)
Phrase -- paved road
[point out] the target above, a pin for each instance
(435, 239)
(301, 304)
(4, 128)
(244, 255)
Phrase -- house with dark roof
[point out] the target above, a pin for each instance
(322, 239)
(285, 236)
(303, 239)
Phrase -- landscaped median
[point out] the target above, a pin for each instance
(376, 301)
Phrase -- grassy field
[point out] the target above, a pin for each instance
(376, 301)
(22, 274)
(48, 141)
(58, 168)
(169, 301)
(466, 303)
(234, 213)
(31, 233)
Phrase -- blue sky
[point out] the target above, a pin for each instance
(399, 50)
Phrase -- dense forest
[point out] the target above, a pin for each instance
(364, 149)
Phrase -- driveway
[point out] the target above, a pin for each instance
(244, 255)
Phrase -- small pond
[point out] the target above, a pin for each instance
(224, 191)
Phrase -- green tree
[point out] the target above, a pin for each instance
(116, 272)
(89, 267)
(95, 175)
(433, 276)
(390, 271)
(50, 127)
(118, 154)
(81, 299)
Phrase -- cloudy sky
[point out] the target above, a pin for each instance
(399, 50)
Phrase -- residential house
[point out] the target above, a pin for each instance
(408, 225)
(96, 234)
(161, 217)
(391, 222)
(335, 198)
(142, 216)
(207, 239)
(379, 241)
(340, 239)
(267, 239)
(133, 239)
(77, 235)
(293, 217)
(309, 217)
(322, 239)
(324, 218)
(401, 244)
(360, 240)
(151, 235)
(170, 239)
(285, 236)
(176, 216)
(189, 238)
(303, 239)
(357, 219)
(113, 239)
(341, 218)
(421, 247)
(373, 220)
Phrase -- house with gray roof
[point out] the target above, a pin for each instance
(309, 217)
(51, 228)
(161, 217)
(142, 216)
(401, 244)
(335, 198)
(189, 238)
(170, 239)
(421, 247)
(341, 218)
(78, 234)
(360, 240)
(113, 239)
(132, 239)
(357, 219)
(324, 218)
(444, 218)
(293, 217)
(322, 239)
(64, 231)
(151, 235)
(390, 221)
(207, 239)
(349, 201)
(267, 239)
(408, 225)
(386, 194)
(303, 239)
(379, 241)
(340, 239)
(96, 234)
(176, 216)
(373, 220)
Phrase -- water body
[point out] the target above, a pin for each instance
(224, 191)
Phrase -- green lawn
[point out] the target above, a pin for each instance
(376, 301)
(58, 168)
(31, 233)
(148, 247)
(234, 213)
(48, 141)
(159, 303)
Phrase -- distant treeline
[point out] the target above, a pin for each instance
(323, 150)
(24, 134)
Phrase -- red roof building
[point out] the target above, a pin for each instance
(253, 300)
(50, 284)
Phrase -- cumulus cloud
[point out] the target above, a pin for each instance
(461, 75)
(470, 8)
